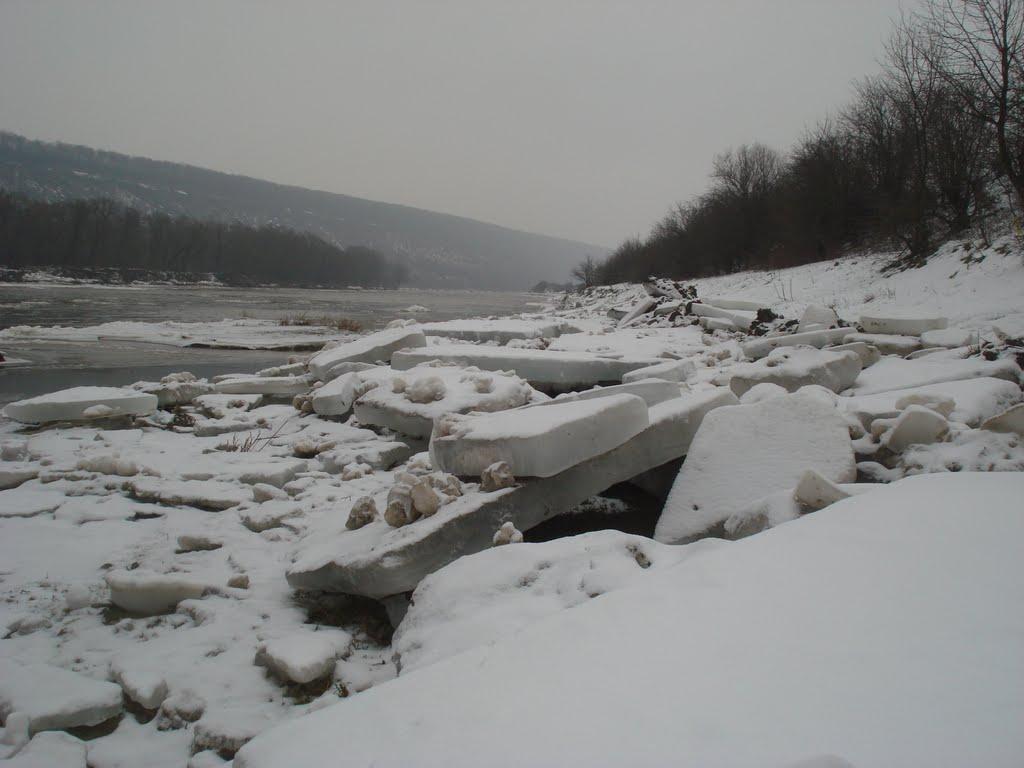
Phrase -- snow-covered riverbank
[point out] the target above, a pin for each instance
(327, 559)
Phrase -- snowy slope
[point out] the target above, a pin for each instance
(884, 630)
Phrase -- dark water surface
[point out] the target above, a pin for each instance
(56, 365)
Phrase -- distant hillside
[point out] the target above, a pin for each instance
(440, 250)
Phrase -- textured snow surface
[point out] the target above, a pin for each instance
(482, 598)
(842, 633)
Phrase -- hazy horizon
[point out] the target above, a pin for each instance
(581, 120)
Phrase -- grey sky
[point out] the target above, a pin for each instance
(578, 118)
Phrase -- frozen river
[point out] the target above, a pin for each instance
(58, 364)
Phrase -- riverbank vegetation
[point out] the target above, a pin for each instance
(101, 236)
(930, 147)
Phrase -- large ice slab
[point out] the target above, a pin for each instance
(757, 348)
(81, 403)
(795, 367)
(544, 368)
(378, 560)
(280, 386)
(892, 321)
(843, 633)
(376, 347)
(501, 331)
(203, 494)
(536, 442)
(745, 453)
(894, 373)
(411, 401)
(55, 698)
(653, 391)
(147, 593)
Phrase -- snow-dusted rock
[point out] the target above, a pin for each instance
(373, 348)
(218, 406)
(203, 494)
(496, 477)
(868, 354)
(304, 656)
(758, 348)
(378, 560)
(536, 442)
(1010, 420)
(480, 599)
(670, 370)
(269, 514)
(901, 324)
(55, 698)
(335, 398)
(147, 593)
(540, 367)
(142, 681)
(817, 318)
(275, 386)
(80, 404)
(376, 454)
(25, 501)
(745, 453)
(507, 534)
(198, 542)
(363, 512)
(793, 616)
(175, 389)
(815, 491)
(915, 425)
(795, 367)
(411, 402)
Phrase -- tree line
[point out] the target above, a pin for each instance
(100, 234)
(928, 148)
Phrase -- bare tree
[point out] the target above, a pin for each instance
(979, 52)
(586, 272)
(750, 171)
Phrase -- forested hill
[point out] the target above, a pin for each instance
(440, 250)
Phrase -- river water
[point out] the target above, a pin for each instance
(59, 364)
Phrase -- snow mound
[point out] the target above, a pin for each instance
(496, 593)
(830, 614)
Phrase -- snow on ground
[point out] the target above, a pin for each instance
(877, 631)
(149, 550)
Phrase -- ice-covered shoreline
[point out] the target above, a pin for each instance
(191, 564)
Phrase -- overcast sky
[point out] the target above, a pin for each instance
(583, 119)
